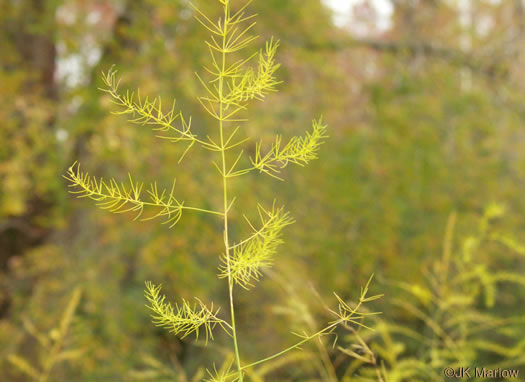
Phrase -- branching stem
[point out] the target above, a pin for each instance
(298, 344)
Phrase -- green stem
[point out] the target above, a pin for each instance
(202, 210)
(306, 339)
(225, 192)
(227, 248)
(90, 193)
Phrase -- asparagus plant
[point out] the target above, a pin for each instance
(229, 83)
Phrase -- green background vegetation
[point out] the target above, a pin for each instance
(421, 182)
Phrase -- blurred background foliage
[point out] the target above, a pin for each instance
(426, 119)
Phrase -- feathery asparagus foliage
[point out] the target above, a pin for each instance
(258, 250)
(121, 198)
(51, 345)
(464, 309)
(299, 150)
(229, 84)
(184, 319)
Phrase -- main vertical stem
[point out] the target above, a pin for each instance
(227, 249)
(225, 192)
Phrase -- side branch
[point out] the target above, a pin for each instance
(146, 112)
(299, 150)
(182, 319)
(258, 250)
(345, 315)
(120, 198)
